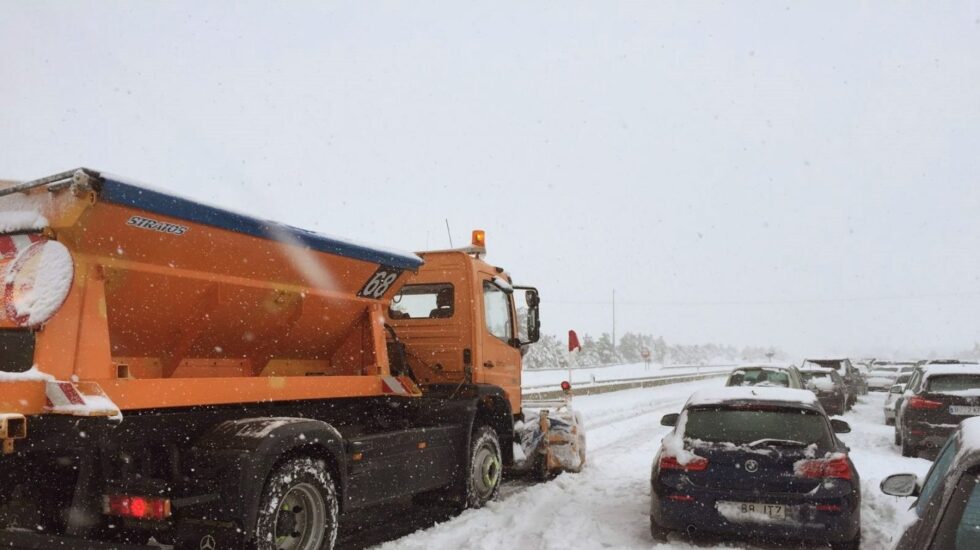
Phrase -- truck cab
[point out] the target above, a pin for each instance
(461, 320)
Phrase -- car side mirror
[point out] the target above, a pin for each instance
(669, 419)
(897, 388)
(901, 485)
(839, 426)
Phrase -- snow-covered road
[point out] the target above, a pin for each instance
(606, 505)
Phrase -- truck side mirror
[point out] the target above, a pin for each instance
(532, 299)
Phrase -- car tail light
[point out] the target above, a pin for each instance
(137, 507)
(696, 464)
(681, 498)
(828, 507)
(836, 467)
(924, 404)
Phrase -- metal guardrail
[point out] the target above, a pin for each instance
(708, 369)
(611, 386)
(662, 367)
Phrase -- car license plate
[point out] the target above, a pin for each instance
(755, 509)
(964, 410)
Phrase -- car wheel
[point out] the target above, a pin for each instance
(298, 509)
(889, 421)
(658, 533)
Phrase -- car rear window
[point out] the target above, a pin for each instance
(953, 383)
(759, 377)
(747, 425)
(817, 380)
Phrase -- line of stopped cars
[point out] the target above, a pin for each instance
(760, 458)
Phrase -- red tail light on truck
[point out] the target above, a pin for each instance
(137, 507)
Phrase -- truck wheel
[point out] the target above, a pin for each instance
(298, 509)
(486, 468)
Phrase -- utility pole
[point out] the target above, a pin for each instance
(614, 318)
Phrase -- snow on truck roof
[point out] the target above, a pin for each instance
(718, 396)
(118, 190)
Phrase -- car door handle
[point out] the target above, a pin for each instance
(488, 365)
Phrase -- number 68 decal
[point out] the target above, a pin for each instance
(379, 283)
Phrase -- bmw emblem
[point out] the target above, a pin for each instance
(751, 466)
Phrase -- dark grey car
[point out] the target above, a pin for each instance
(856, 384)
(948, 507)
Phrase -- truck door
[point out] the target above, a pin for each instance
(501, 359)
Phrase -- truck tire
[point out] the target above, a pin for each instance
(298, 509)
(486, 467)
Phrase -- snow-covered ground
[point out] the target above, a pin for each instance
(606, 505)
(594, 375)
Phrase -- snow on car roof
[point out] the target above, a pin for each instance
(778, 368)
(970, 434)
(751, 393)
(961, 368)
(816, 369)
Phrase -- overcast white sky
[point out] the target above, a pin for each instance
(788, 173)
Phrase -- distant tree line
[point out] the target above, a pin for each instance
(551, 352)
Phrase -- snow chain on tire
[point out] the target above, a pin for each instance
(298, 509)
(486, 468)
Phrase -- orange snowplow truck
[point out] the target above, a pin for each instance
(174, 373)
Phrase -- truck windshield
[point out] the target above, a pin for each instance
(431, 301)
(743, 426)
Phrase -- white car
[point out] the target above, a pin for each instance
(882, 378)
(893, 393)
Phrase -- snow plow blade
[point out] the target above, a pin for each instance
(552, 437)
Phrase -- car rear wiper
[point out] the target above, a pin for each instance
(783, 442)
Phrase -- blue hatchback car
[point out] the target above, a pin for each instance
(756, 462)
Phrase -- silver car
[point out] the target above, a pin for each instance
(896, 390)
